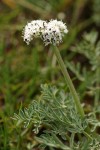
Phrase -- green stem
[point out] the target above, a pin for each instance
(97, 92)
(68, 81)
(87, 135)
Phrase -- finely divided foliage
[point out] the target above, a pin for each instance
(56, 111)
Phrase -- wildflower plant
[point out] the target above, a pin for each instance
(60, 113)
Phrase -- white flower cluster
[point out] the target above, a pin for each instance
(34, 29)
(54, 32)
(51, 32)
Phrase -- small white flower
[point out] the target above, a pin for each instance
(33, 29)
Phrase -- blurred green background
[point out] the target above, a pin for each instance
(24, 68)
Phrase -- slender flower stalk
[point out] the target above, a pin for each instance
(68, 81)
